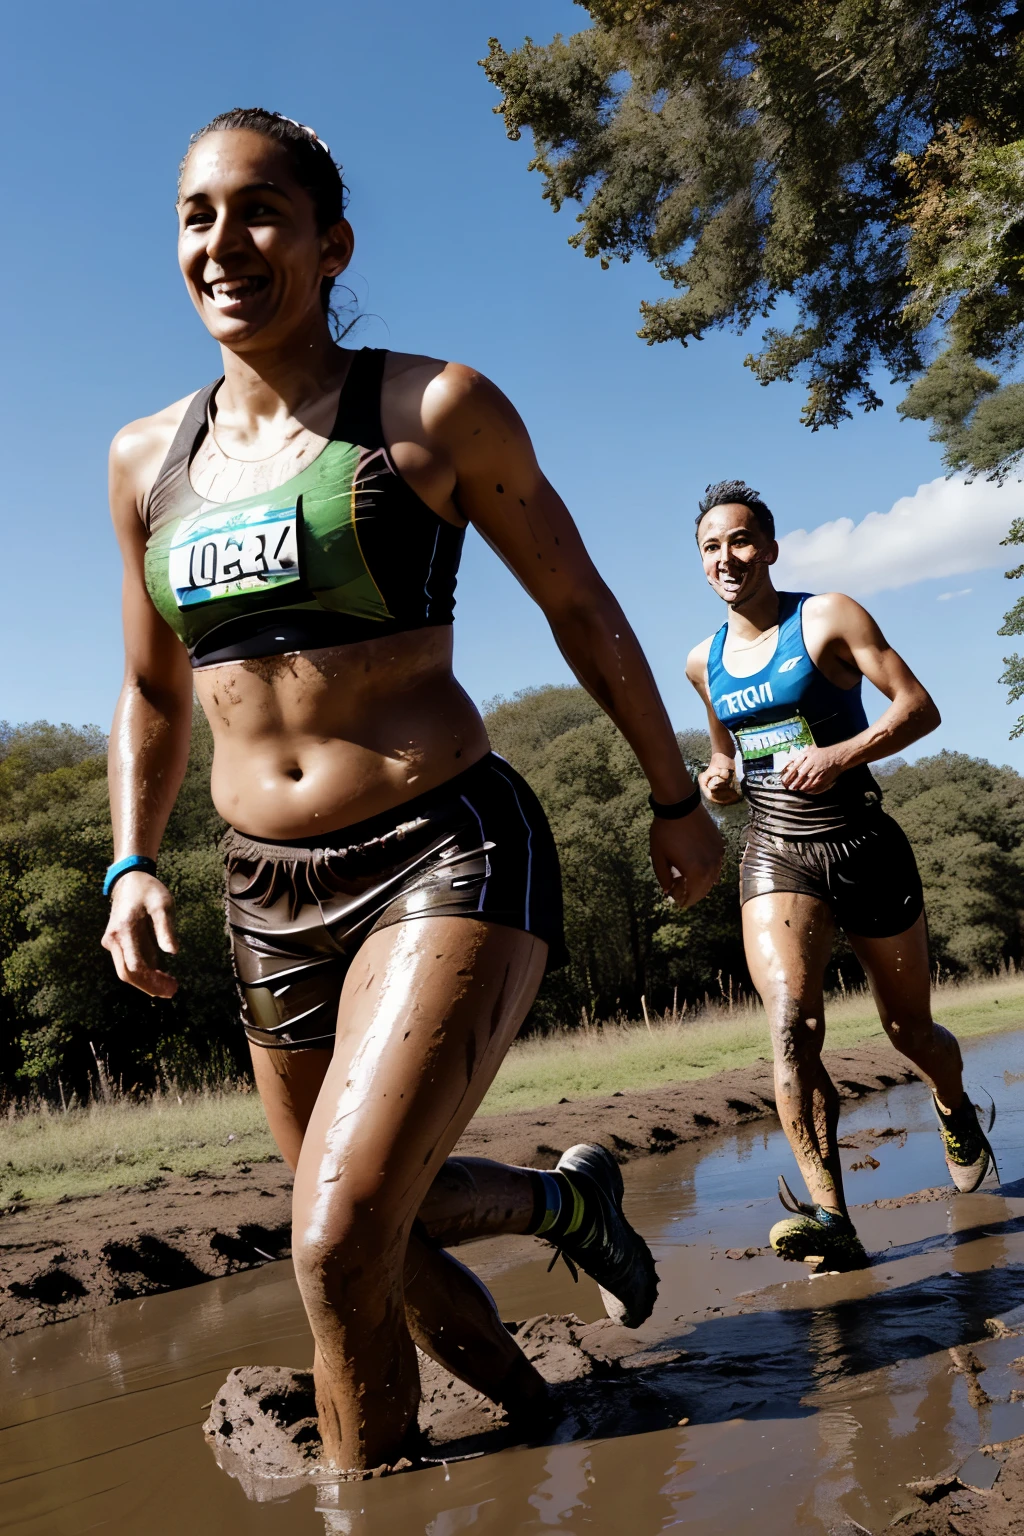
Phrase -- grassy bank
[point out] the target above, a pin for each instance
(45, 1153)
(581, 1063)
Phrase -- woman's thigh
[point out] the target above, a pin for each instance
(428, 1010)
(289, 1084)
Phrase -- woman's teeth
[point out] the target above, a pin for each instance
(232, 290)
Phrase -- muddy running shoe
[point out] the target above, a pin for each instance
(604, 1244)
(968, 1154)
(814, 1235)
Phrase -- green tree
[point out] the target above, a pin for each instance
(64, 1011)
(625, 939)
(965, 819)
(861, 159)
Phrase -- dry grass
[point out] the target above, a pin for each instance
(581, 1063)
(45, 1153)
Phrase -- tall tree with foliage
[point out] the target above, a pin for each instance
(857, 162)
(863, 159)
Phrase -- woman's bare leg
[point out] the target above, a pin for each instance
(429, 1008)
(289, 1084)
(471, 1197)
(898, 975)
(788, 939)
(450, 1313)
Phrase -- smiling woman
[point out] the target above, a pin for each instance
(291, 535)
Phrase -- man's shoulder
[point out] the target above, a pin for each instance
(835, 610)
(697, 660)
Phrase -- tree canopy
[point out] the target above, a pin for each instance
(68, 1025)
(859, 160)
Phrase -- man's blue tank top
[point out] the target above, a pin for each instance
(787, 706)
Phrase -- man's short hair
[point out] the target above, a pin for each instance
(725, 492)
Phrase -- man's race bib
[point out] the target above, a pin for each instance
(223, 551)
(764, 748)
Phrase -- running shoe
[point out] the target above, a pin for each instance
(816, 1235)
(606, 1248)
(966, 1145)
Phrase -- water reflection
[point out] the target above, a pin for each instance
(825, 1397)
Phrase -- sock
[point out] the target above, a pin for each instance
(560, 1209)
(832, 1218)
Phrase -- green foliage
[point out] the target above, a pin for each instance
(860, 159)
(965, 819)
(1013, 624)
(64, 1012)
(966, 263)
(625, 939)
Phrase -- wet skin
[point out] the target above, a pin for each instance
(313, 742)
(788, 938)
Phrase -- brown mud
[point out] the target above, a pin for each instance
(77, 1255)
(263, 1431)
(756, 1401)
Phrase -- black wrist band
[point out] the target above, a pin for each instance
(674, 812)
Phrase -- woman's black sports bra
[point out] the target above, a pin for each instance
(343, 551)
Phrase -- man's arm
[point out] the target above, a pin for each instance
(845, 642)
(718, 781)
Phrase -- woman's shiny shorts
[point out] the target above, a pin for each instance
(867, 875)
(478, 846)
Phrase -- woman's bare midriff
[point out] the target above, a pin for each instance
(314, 741)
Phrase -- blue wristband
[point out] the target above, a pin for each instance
(138, 861)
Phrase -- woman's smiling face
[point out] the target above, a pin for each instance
(736, 552)
(248, 244)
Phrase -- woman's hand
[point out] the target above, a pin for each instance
(813, 770)
(687, 856)
(141, 926)
(718, 781)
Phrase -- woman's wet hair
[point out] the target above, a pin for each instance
(727, 492)
(312, 165)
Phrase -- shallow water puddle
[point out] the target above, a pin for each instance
(811, 1401)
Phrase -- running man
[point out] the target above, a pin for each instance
(782, 683)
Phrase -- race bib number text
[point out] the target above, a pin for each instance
(222, 552)
(765, 748)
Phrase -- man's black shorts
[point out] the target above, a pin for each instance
(868, 877)
(478, 846)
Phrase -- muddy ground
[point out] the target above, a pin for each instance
(263, 1424)
(76, 1255)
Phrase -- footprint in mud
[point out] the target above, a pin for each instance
(263, 1428)
(51, 1287)
(148, 1264)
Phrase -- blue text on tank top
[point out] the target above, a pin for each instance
(788, 705)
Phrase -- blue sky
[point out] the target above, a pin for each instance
(458, 256)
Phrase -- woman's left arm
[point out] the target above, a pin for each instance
(500, 489)
(844, 634)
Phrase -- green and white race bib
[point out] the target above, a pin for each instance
(222, 551)
(764, 748)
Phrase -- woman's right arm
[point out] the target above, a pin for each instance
(149, 740)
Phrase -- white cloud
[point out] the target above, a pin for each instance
(945, 597)
(947, 527)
